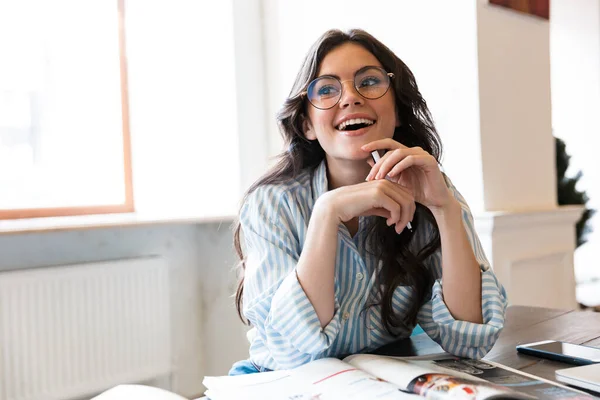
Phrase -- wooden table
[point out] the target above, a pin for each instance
(532, 324)
(523, 325)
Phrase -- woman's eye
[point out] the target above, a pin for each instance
(370, 81)
(327, 90)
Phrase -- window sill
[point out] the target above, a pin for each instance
(51, 224)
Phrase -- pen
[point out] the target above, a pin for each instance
(376, 158)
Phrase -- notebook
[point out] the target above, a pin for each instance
(587, 376)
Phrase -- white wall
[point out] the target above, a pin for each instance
(435, 38)
(183, 108)
(207, 335)
(575, 55)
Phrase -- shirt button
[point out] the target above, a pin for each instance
(359, 276)
(346, 316)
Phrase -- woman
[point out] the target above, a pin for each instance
(344, 254)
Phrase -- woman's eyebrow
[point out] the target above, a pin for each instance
(334, 75)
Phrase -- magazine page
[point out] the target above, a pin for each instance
(330, 378)
(528, 384)
(389, 369)
(219, 382)
(126, 392)
(427, 379)
(324, 379)
(264, 386)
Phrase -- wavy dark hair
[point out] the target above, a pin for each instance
(402, 263)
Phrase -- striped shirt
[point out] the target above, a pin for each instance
(286, 329)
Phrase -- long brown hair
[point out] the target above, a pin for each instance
(400, 265)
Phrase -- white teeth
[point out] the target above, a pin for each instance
(354, 121)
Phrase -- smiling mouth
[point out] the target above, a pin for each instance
(354, 124)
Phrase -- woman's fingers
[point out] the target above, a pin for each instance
(383, 200)
(382, 144)
(408, 208)
(410, 161)
(391, 159)
(411, 208)
(378, 212)
(386, 165)
(375, 168)
(404, 210)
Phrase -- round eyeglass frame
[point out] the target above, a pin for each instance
(390, 75)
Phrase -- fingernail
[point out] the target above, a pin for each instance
(409, 226)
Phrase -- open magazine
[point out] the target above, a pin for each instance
(140, 392)
(381, 377)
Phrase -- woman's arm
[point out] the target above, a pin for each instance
(461, 276)
(466, 311)
(316, 266)
(289, 286)
(274, 302)
(439, 316)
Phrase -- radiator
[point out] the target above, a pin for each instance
(73, 331)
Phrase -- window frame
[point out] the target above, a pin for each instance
(128, 205)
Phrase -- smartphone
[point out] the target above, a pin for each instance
(562, 351)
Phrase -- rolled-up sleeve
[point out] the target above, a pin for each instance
(274, 301)
(462, 338)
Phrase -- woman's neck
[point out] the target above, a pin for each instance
(346, 172)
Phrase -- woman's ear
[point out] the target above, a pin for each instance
(308, 130)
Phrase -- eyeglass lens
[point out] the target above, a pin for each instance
(326, 91)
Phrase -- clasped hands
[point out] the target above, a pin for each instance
(413, 175)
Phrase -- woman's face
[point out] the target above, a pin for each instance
(328, 126)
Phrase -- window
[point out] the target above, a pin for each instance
(64, 124)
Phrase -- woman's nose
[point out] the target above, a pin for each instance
(349, 95)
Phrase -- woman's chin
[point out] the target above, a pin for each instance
(356, 154)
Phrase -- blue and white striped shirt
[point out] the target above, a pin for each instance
(287, 331)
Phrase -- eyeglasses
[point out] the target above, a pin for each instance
(326, 91)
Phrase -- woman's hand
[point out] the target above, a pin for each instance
(414, 169)
(382, 198)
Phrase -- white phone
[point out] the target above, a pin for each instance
(562, 351)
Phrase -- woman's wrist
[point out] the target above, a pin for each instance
(324, 210)
(451, 210)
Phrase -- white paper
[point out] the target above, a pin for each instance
(330, 378)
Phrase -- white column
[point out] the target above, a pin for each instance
(529, 240)
(532, 254)
(517, 146)
(575, 59)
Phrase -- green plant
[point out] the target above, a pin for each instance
(567, 192)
